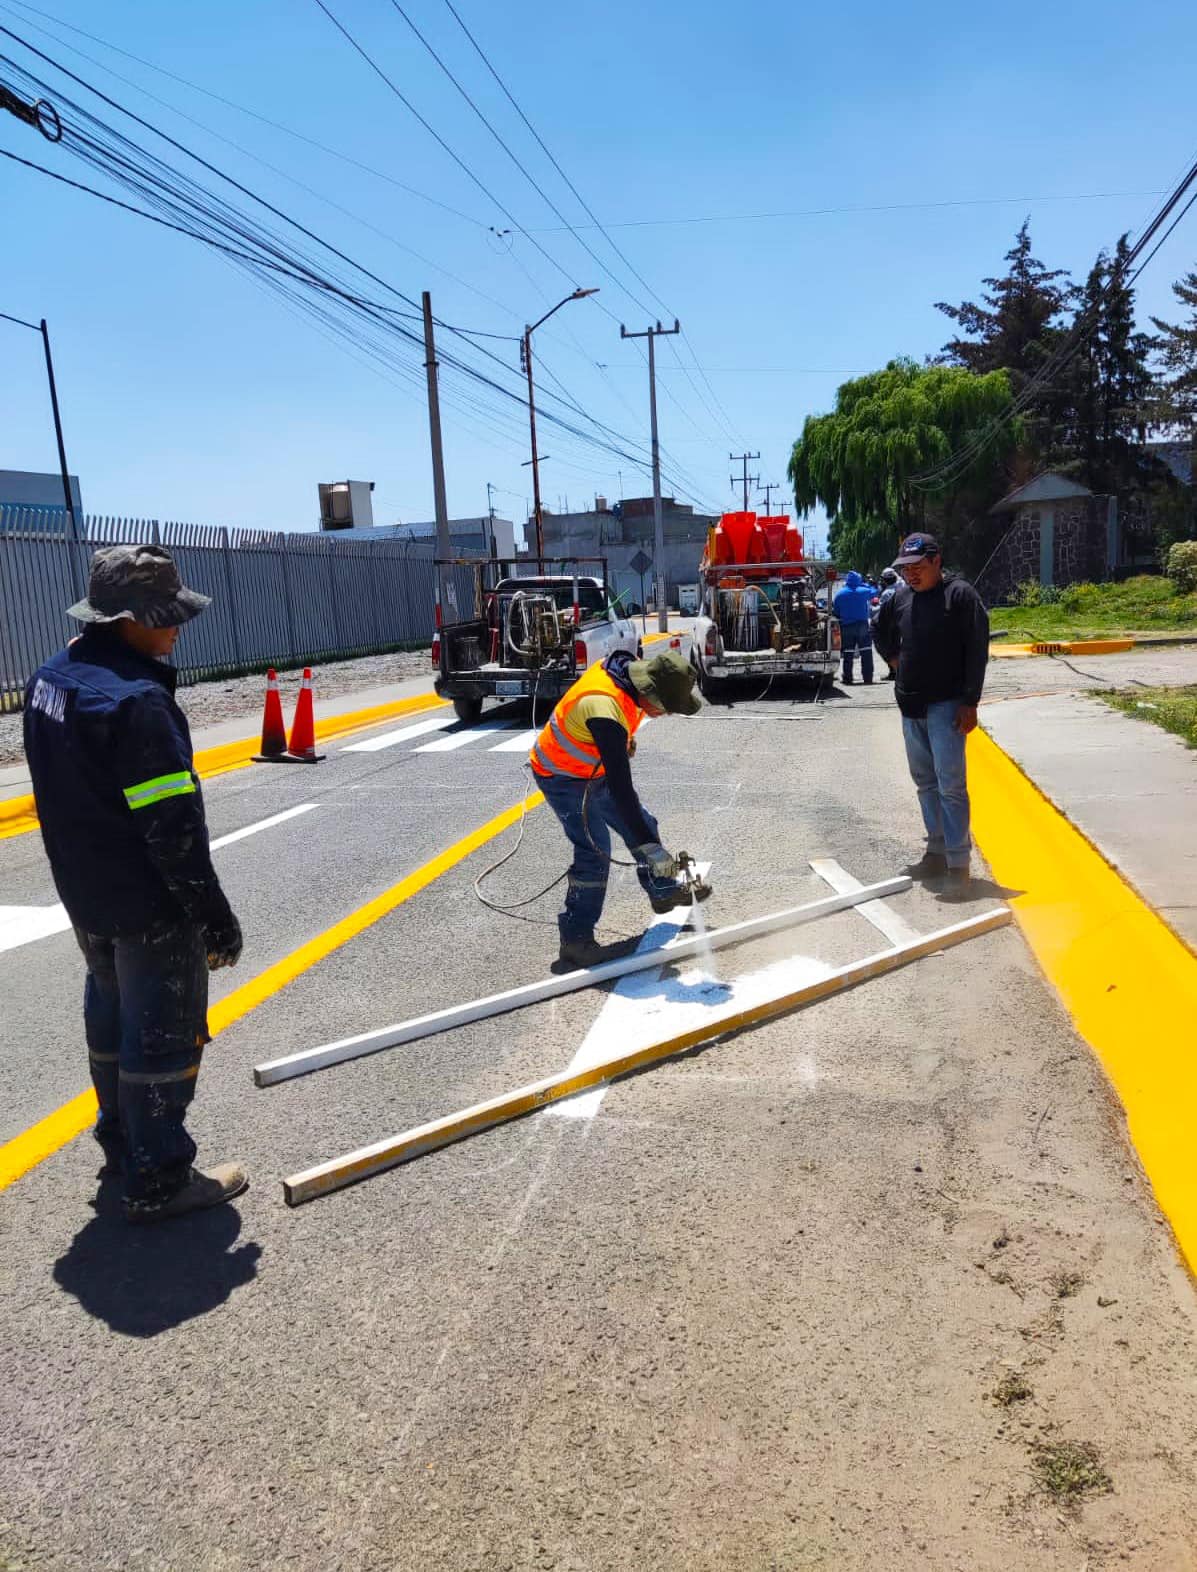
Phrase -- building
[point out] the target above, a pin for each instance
(624, 534)
(346, 504)
(467, 537)
(25, 488)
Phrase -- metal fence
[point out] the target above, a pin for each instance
(280, 600)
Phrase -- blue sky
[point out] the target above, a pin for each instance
(191, 392)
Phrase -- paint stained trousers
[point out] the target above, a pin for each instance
(145, 1013)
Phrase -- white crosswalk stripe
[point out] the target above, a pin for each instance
(388, 739)
(462, 739)
(521, 743)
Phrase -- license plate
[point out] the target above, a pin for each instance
(509, 690)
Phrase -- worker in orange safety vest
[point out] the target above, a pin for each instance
(581, 762)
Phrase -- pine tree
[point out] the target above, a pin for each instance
(1176, 349)
(1017, 326)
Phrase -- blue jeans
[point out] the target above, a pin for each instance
(857, 636)
(935, 754)
(145, 1005)
(586, 888)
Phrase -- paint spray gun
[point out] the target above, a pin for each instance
(689, 878)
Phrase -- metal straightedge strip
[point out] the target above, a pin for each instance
(339, 1172)
(285, 1069)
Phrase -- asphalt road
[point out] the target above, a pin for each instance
(749, 1313)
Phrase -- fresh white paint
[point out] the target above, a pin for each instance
(460, 739)
(520, 743)
(895, 928)
(21, 925)
(388, 739)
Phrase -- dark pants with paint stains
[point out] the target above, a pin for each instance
(588, 822)
(145, 1011)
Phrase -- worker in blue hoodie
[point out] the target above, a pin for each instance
(851, 607)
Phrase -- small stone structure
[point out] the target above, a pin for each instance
(1057, 532)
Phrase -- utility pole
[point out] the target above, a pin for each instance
(742, 459)
(769, 490)
(651, 334)
(443, 547)
(490, 513)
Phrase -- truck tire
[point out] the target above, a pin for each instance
(468, 711)
(712, 688)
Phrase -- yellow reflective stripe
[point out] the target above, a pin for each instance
(147, 792)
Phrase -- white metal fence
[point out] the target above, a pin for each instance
(277, 599)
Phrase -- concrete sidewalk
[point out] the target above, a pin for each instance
(1129, 787)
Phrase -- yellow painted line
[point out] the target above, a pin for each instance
(1128, 982)
(52, 1133)
(18, 815)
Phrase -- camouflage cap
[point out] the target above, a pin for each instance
(138, 584)
(667, 679)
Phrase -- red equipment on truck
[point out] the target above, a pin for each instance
(764, 605)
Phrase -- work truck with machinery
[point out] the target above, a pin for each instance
(763, 611)
(530, 634)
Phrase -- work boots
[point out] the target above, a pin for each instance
(581, 954)
(931, 865)
(201, 1190)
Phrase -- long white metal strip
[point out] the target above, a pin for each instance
(389, 739)
(339, 1172)
(321, 1058)
(461, 739)
(894, 927)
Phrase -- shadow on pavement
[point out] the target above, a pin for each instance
(143, 1281)
(978, 890)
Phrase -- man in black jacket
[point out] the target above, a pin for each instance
(122, 819)
(935, 632)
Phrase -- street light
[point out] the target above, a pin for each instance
(526, 347)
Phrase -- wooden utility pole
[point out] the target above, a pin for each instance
(744, 479)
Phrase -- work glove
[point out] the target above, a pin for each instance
(223, 941)
(662, 865)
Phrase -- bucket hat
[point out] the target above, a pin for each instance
(139, 584)
(668, 679)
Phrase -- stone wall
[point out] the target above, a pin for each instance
(1079, 545)
(1015, 561)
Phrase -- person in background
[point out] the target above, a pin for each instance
(935, 631)
(851, 607)
(889, 583)
(581, 763)
(123, 824)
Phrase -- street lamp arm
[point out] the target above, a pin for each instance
(578, 294)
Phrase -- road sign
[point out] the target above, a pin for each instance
(640, 563)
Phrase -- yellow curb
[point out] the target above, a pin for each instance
(53, 1132)
(1128, 982)
(1064, 647)
(18, 815)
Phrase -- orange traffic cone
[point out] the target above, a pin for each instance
(274, 732)
(303, 729)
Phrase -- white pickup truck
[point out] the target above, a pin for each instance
(529, 638)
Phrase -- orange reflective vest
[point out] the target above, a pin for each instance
(556, 752)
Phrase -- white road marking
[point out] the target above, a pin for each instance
(388, 739)
(263, 824)
(26, 924)
(462, 739)
(517, 744)
(895, 928)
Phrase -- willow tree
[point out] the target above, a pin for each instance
(896, 454)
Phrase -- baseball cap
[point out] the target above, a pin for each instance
(139, 584)
(914, 548)
(667, 679)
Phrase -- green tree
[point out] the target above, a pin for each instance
(1176, 349)
(1018, 322)
(1099, 409)
(863, 461)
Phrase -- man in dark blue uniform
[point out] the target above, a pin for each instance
(122, 819)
